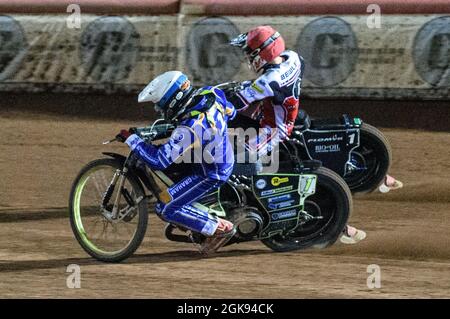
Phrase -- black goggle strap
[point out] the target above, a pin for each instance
(265, 44)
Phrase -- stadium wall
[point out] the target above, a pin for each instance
(121, 45)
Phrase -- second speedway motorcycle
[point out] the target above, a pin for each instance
(303, 205)
(355, 150)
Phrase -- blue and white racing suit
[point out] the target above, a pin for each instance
(201, 138)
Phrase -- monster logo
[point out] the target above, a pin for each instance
(109, 49)
(208, 55)
(330, 50)
(13, 47)
(432, 52)
(276, 181)
(308, 184)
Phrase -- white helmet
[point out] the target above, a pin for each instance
(169, 92)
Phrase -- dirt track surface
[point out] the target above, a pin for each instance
(408, 230)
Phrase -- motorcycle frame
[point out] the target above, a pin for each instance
(147, 181)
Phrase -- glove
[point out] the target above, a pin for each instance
(235, 87)
(245, 84)
(124, 134)
(156, 132)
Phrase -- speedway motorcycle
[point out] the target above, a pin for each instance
(302, 205)
(355, 150)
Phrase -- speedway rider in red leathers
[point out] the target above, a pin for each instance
(278, 89)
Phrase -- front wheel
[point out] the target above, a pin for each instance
(372, 159)
(326, 213)
(108, 211)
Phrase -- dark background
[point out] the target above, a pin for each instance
(410, 114)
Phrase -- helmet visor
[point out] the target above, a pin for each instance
(240, 41)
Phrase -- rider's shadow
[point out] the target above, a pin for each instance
(165, 257)
(191, 255)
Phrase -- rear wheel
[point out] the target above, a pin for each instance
(108, 211)
(326, 214)
(371, 159)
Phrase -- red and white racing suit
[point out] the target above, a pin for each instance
(278, 89)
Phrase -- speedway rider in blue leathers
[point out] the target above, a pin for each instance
(199, 137)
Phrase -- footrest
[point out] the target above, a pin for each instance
(174, 237)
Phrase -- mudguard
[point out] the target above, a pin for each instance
(331, 147)
(116, 156)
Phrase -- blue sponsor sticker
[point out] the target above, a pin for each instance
(284, 215)
(279, 198)
(281, 205)
(260, 183)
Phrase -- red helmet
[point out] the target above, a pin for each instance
(261, 45)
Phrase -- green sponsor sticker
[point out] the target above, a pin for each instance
(257, 88)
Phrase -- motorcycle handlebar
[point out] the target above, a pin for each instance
(148, 133)
(110, 141)
(229, 87)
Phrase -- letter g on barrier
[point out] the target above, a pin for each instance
(330, 50)
(109, 49)
(432, 52)
(13, 47)
(209, 58)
